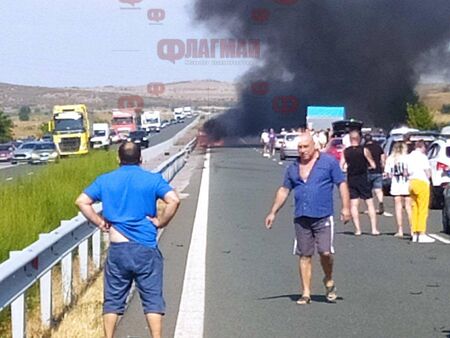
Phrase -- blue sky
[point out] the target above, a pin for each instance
(95, 42)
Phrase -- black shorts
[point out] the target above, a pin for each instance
(359, 187)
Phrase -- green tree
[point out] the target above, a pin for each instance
(419, 116)
(24, 113)
(6, 126)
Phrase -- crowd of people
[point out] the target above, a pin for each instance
(366, 167)
(359, 175)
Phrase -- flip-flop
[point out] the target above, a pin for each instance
(304, 300)
(330, 292)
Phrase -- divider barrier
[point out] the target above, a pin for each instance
(35, 262)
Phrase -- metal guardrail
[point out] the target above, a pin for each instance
(35, 262)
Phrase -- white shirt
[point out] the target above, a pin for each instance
(265, 137)
(417, 164)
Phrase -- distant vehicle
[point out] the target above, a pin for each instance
(100, 136)
(151, 121)
(139, 137)
(445, 132)
(335, 148)
(47, 138)
(173, 121)
(342, 127)
(413, 136)
(439, 157)
(279, 141)
(165, 123)
(204, 141)
(187, 111)
(6, 152)
(70, 128)
(44, 152)
(124, 121)
(289, 147)
(23, 153)
(114, 137)
(178, 114)
(322, 117)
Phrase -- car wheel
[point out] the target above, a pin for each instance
(436, 197)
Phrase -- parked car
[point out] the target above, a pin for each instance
(43, 153)
(6, 151)
(279, 141)
(23, 153)
(335, 148)
(289, 147)
(344, 126)
(139, 137)
(439, 156)
(47, 138)
(165, 123)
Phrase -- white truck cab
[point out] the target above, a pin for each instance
(100, 136)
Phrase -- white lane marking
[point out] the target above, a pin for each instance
(439, 238)
(274, 159)
(191, 314)
(9, 179)
(280, 163)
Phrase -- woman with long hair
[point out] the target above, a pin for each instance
(396, 168)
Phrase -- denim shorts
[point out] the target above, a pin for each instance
(376, 180)
(128, 262)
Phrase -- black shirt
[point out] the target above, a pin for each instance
(356, 161)
(376, 152)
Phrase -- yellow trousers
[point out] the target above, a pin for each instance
(420, 198)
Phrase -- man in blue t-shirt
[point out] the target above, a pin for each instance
(312, 178)
(129, 196)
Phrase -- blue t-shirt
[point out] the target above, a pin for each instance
(314, 198)
(129, 195)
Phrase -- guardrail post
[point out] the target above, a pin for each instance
(83, 254)
(45, 286)
(18, 314)
(18, 319)
(66, 278)
(96, 249)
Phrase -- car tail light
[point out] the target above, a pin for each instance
(441, 166)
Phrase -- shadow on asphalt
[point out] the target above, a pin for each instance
(296, 296)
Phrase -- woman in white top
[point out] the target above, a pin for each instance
(397, 169)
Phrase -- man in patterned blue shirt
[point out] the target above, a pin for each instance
(312, 178)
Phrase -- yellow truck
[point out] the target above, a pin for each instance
(70, 129)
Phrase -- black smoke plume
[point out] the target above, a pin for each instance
(366, 55)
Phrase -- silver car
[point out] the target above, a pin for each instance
(23, 153)
(44, 152)
(289, 146)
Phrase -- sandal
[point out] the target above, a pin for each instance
(330, 292)
(303, 300)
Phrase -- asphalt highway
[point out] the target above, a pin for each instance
(387, 287)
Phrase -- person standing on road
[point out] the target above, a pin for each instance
(397, 170)
(272, 141)
(419, 188)
(376, 175)
(129, 195)
(265, 142)
(312, 178)
(357, 160)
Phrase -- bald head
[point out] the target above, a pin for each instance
(306, 147)
(129, 154)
